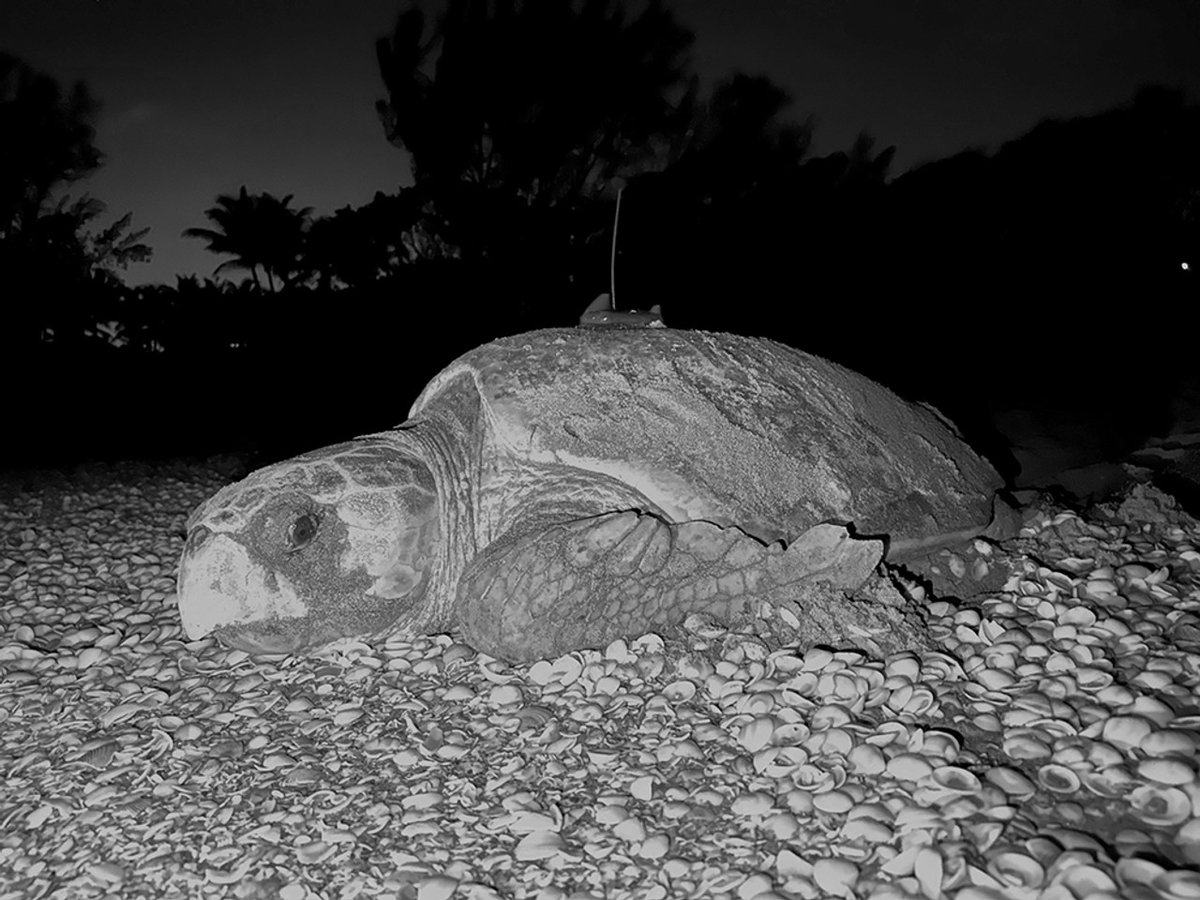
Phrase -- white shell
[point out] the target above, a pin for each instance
(1086, 880)
(1156, 805)
(1057, 778)
(1133, 871)
(680, 691)
(1179, 884)
(1016, 869)
(757, 733)
(1126, 732)
(1011, 781)
(1168, 742)
(1166, 770)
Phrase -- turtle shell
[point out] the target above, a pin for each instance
(734, 430)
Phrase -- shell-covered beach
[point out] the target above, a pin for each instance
(1048, 748)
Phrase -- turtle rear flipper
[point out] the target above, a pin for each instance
(539, 593)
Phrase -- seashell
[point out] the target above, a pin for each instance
(1011, 781)
(899, 697)
(100, 756)
(1102, 755)
(954, 778)
(566, 669)
(714, 684)
(1156, 805)
(963, 806)
(1092, 679)
(1153, 709)
(758, 703)
(987, 722)
(779, 762)
(1151, 681)
(618, 651)
(757, 733)
(1188, 840)
(791, 733)
(804, 684)
(832, 741)
(302, 775)
(632, 831)
(817, 779)
(866, 759)
(994, 679)
(1132, 872)
(1054, 729)
(816, 659)
(830, 715)
(834, 802)
(1086, 880)
(1025, 746)
(752, 804)
(1178, 885)
(1016, 870)
(314, 852)
(1058, 778)
(921, 701)
(870, 830)
(909, 767)
(1126, 732)
(533, 716)
(985, 834)
(942, 744)
(928, 869)
(835, 876)
(539, 845)
(904, 665)
(872, 677)
(1071, 755)
(1078, 616)
(1166, 770)
(106, 872)
(526, 821)
(680, 691)
(1111, 782)
(541, 672)
(495, 671)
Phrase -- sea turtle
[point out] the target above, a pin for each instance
(557, 489)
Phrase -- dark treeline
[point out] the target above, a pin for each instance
(1052, 265)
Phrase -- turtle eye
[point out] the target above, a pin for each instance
(301, 532)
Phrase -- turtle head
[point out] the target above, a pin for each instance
(335, 543)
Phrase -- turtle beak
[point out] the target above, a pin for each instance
(222, 587)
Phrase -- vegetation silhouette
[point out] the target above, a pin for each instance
(522, 120)
(260, 232)
(56, 265)
(978, 282)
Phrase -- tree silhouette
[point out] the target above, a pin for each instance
(360, 246)
(47, 143)
(56, 271)
(513, 112)
(258, 231)
(724, 218)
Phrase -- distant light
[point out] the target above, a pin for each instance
(1185, 266)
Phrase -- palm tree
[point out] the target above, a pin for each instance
(258, 231)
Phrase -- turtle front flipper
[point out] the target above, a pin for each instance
(542, 592)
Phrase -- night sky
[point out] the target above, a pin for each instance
(200, 98)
